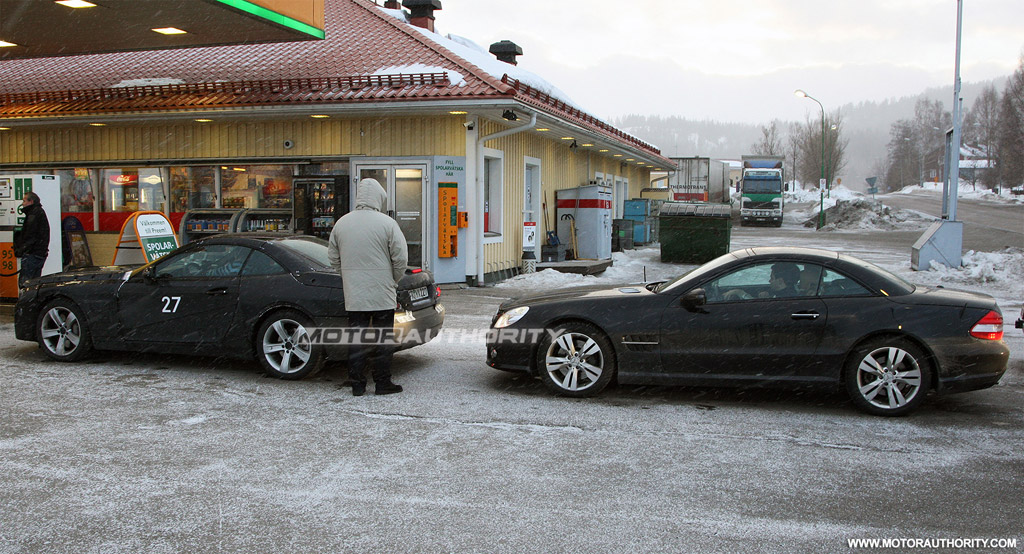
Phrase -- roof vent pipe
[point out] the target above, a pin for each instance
(506, 51)
(421, 12)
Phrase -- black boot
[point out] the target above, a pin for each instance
(358, 389)
(387, 387)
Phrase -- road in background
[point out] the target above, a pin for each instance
(988, 226)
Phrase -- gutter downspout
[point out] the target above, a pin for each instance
(479, 208)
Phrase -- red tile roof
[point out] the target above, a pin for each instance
(360, 39)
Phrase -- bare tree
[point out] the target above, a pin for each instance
(903, 155)
(771, 141)
(813, 145)
(979, 130)
(793, 151)
(1010, 149)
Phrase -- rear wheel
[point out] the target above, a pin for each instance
(62, 332)
(888, 377)
(577, 360)
(284, 348)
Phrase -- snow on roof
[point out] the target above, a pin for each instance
(475, 54)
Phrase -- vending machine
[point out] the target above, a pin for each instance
(585, 220)
(12, 190)
(317, 203)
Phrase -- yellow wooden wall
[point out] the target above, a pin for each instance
(190, 140)
(561, 168)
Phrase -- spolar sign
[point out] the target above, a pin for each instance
(145, 236)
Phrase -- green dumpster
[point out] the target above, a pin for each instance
(694, 233)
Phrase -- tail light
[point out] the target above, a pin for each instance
(415, 271)
(989, 327)
(437, 289)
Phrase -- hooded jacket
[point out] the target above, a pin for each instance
(369, 250)
(34, 237)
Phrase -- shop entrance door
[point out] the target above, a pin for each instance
(404, 184)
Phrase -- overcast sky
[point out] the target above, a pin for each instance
(740, 60)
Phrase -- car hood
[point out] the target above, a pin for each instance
(587, 293)
(108, 273)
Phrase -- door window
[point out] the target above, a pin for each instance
(836, 284)
(215, 260)
(758, 281)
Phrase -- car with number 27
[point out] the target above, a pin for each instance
(764, 316)
(241, 295)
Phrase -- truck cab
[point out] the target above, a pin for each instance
(761, 198)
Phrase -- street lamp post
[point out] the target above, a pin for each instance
(821, 187)
(831, 173)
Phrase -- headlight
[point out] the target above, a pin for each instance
(510, 317)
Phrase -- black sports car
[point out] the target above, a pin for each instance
(760, 316)
(240, 295)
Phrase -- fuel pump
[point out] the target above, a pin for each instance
(12, 190)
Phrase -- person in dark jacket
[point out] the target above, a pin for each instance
(32, 243)
(369, 250)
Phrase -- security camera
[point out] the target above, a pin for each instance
(469, 125)
(288, 144)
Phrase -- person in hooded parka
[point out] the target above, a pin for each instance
(369, 250)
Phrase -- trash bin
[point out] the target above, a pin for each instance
(622, 235)
(694, 233)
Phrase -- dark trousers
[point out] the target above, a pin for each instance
(379, 350)
(31, 267)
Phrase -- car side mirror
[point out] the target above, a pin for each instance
(694, 301)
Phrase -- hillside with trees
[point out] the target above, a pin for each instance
(861, 144)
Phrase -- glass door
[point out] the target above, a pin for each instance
(405, 185)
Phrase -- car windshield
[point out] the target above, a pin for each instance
(312, 248)
(696, 272)
(762, 186)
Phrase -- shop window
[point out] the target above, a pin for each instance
(192, 188)
(132, 189)
(256, 186)
(75, 190)
(493, 173)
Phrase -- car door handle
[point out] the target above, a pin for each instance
(805, 315)
(217, 291)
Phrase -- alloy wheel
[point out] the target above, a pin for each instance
(286, 346)
(889, 377)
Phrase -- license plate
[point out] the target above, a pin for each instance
(418, 294)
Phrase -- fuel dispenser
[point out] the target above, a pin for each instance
(12, 190)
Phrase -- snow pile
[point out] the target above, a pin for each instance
(967, 190)
(1006, 267)
(868, 214)
(838, 193)
(634, 266)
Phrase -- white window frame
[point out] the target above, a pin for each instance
(494, 181)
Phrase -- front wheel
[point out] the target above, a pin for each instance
(284, 348)
(577, 360)
(888, 377)
(62, 332)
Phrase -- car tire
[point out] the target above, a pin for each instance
(62, 331)
(283, 347)
(888, 377)
(576, 360)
